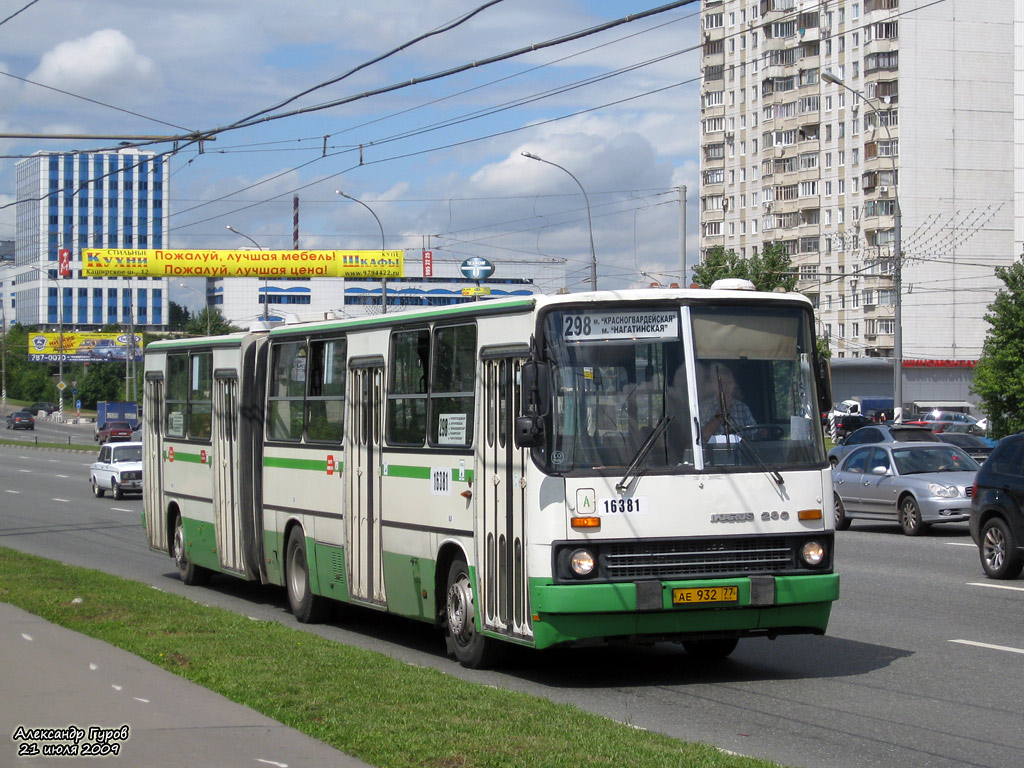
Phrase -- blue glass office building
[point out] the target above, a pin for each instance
(89, 200)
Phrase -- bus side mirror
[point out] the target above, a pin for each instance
(535, 390)
(529, 431)
(824, 383)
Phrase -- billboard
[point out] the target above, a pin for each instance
(81, 347)
(111, 262)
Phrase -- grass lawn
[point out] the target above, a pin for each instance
(367, 704)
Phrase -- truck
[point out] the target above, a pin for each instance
(111, 411)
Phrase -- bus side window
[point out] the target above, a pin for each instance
(452, 384)
(407, 393)
(326, 398)
(177, 395)
(287, 389)
(200, 396)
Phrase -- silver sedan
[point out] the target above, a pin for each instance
(914, 484)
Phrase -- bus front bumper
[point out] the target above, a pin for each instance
(645, 611)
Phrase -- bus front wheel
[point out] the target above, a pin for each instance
(306, 607)
(190, 573)
(471, 648)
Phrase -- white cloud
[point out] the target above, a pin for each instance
(104, 63)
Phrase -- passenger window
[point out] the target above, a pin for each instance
(452, 379)
(858, 461)
(326, 400)
(407, 395)
(287, 389)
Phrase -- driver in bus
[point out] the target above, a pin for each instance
(721, 410)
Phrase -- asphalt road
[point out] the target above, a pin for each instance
(923, 665)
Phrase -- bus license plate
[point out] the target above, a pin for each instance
(692, 595)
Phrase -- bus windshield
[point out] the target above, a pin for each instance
(722, 389)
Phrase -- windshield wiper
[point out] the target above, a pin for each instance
(641, 454)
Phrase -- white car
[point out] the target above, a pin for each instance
(117, 469)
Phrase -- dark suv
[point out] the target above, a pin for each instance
(997, 509)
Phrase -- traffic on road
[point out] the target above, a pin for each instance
(919, 666)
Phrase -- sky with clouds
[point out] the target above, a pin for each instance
(618, 109)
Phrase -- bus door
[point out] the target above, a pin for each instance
(500, 507)
(363, 478)
(153, 465)
(226, 490)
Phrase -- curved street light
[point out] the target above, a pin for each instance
(266, 294)
(897, 335)
(206, 300)
(383, 280)
(590, 220)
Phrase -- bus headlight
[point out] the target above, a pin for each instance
(582, 562)
(813, 553)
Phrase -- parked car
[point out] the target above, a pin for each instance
(21, 420)
(880, 433)
(939, 421)
(117, 469)
(997, 520)
(913, 484)
(42, 406)
(978, 448)
(114, 431)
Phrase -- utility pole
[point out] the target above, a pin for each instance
(682, 236)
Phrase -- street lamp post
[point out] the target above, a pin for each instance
(383, 280)
(266, 294)
(205, 299)
(897, 335)
(590, 220)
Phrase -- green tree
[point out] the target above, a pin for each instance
(178, 316)
(720, 264)
(209, 322)
(102, 381)
(768, 270)
(999, 374)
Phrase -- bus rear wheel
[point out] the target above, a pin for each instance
(306, 607)
(471, 648)
(190, 573)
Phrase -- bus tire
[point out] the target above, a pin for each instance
(471, 648)
(306, 607)
(190, 573)
(842, 521)
(711, 650)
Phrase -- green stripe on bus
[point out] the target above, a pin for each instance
(423, 473)
(188, 458)
(314, 465)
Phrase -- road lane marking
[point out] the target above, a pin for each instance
(65, 501)
(994, 586)
(63, 477)
(120, 509)
(989, 646)
(29, 471)
(8, 490)
(959, 544)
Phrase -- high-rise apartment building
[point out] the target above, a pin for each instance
(823, 119)
(71, 202)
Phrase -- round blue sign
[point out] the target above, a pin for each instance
(476, 268)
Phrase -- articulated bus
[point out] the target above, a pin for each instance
(605, 467)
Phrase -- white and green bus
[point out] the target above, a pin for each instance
(614, 466)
